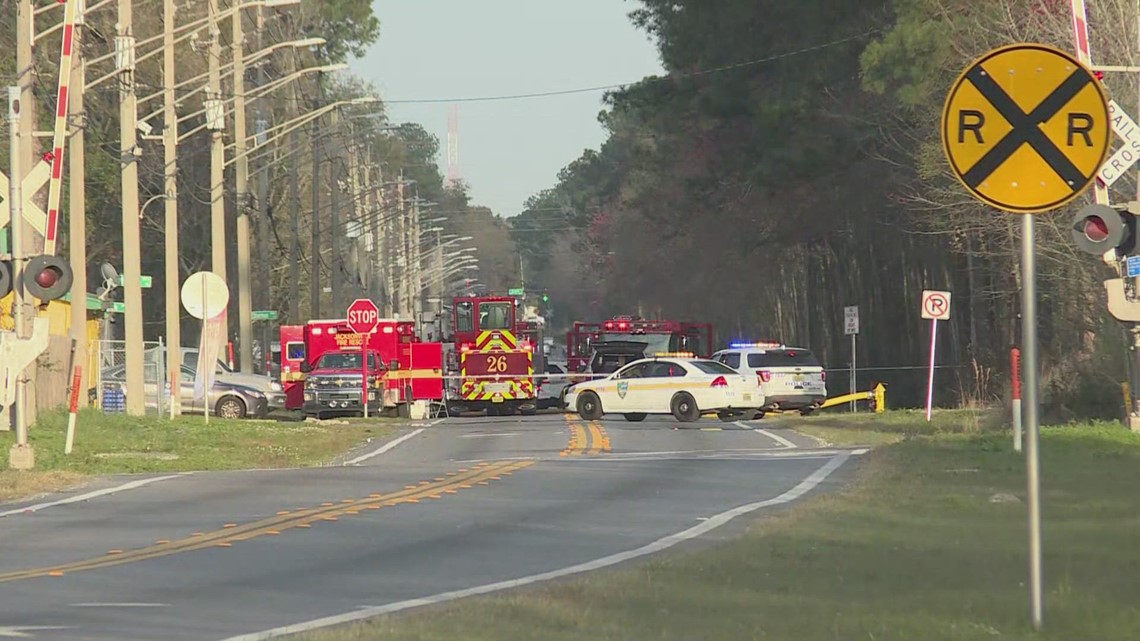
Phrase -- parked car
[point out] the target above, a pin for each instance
(792, 377)
(267, 385)
(226, 400)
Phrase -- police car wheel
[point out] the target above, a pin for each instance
(589, 406)
(684, 408)
(635, 417)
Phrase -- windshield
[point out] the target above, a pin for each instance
(783, 358)
(463, 317)
(653, 342)
(496, 316)
(713, 367)
(344, 360)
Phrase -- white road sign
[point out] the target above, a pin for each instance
(851, 320)
(935, 305)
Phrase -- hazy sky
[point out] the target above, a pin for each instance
(510, 149)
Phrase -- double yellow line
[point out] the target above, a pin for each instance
(590, 439)
(480, 474)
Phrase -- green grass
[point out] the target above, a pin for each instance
(913, 549)
(868, 428)
(106, 444)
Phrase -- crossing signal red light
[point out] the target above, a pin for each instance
(1097, 229)
(5, 278)
(47, 277)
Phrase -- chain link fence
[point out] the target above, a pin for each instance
(111, 385)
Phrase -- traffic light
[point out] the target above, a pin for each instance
(1098, 229)
(47, 277)
(545, 297)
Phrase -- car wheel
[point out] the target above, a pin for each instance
(729, 417)
(635, 417)
(759, 415)
(684, 408)
(589, 406)
(230, 407)
(530, 412)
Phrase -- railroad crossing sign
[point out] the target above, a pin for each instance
(935, 305)
(363, 316)
(1026, 128)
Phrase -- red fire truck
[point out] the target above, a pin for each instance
(658, 335)
(405, 368)
(496, 365)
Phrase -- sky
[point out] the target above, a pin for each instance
(509, 150)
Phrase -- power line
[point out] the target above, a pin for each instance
(672, 76)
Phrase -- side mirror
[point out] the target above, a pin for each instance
(393, 364)
(305, 367)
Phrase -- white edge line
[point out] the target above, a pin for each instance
(92, 495)
(775, 437)
(120, 605)
(387, 447)
(712, 523)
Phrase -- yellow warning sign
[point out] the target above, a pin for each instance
(1026, 128)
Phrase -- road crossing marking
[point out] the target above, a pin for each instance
(303, 518)
(591, 439)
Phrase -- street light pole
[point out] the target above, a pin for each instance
(336, 262)
(241, 173)
(315, 243)
(132, 249)
(215, 119)
(170, 191)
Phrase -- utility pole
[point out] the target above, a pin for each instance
(21, 456)
(315, 245)
(170, 192)
(264, 281)
(337, 260)
(241, 172)
(132, 250)
(77, 211)
(401, 247)
(215, 118)
(295, 219)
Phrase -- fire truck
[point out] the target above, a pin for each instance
(404, 368)
(496, 363)
(658, 336)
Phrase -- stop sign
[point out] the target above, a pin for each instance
(363, 316)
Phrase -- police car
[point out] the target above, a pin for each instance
(670, 383)
(791, 377)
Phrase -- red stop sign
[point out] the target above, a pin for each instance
(363, 316)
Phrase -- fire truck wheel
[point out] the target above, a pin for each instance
(635, 417)
(589, 406)
(530, 412)
(684, 408)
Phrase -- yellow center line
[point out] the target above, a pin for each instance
(269, 526)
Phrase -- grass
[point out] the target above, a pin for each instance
(926, 543)
(108, 444)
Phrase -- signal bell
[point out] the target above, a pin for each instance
(1097, 229)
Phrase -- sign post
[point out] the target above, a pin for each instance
(935, 307)
(363, 317)
(1026, 128)
(851, 328)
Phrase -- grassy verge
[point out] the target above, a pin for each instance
(928, 543)
(106, 444)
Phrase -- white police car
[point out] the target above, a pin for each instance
(672, 383)
(791, 377)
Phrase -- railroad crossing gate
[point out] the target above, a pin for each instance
(1026, 128)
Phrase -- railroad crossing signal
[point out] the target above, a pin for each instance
(1026, 128)
(363, 316)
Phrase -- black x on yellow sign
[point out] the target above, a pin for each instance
(1026, 128)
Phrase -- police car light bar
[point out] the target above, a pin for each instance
(746, 345)
(675, 355)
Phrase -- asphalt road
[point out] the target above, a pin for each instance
(458, 507)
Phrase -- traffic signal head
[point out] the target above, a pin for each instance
(47, 277)
(1097, 229)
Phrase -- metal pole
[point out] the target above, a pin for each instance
(132, 249)
(217, 152)
(264, 280)
(336, 263)
(170, 189)
(295, 219)
(1029, 409)
(315, 244)
(77, 214)
(853, 384)
(241, 173)
(930, 378)
(15, 202)
(25, 79)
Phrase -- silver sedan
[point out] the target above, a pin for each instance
(227, 400)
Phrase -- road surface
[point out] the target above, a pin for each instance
(458, 507)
